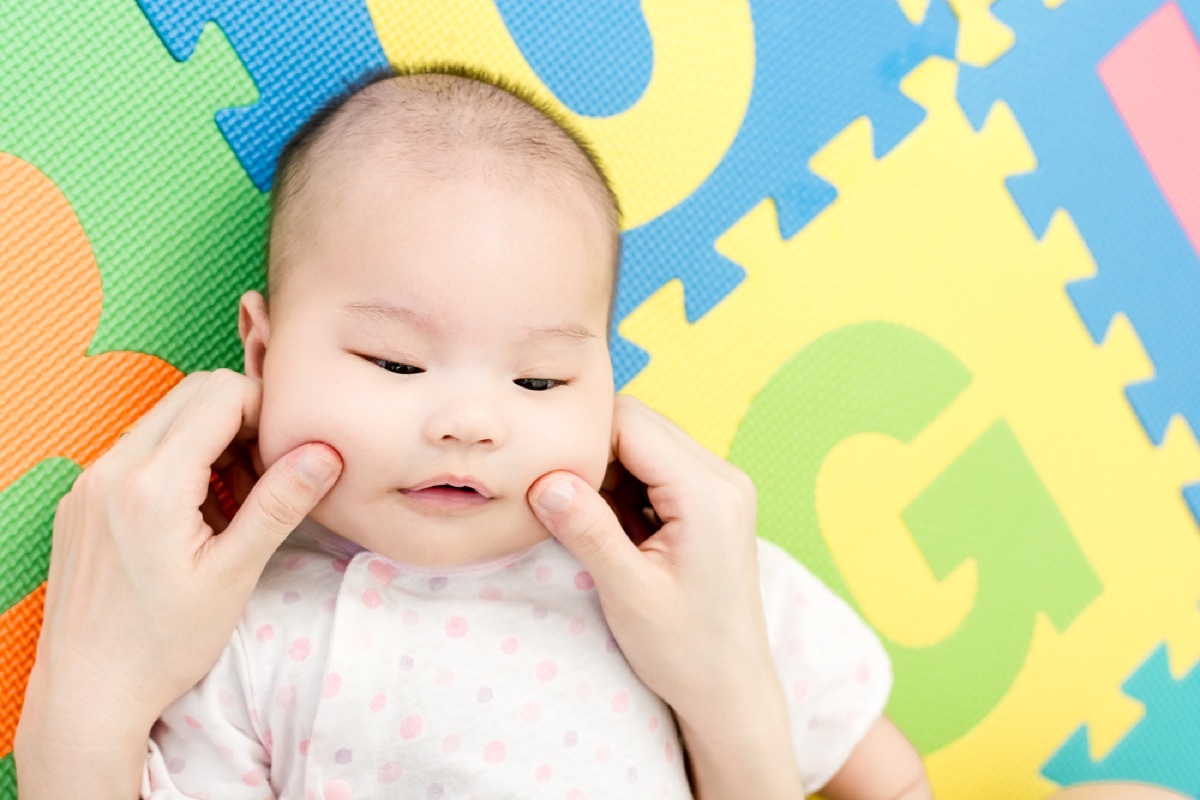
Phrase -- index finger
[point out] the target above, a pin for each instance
(225, 407)
(655, 450)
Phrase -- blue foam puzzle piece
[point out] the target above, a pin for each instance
(1163, 748)
(820, 65)
(597, 58)
(300, 53)
(1089, 165)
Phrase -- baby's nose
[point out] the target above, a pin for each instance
(467, 421)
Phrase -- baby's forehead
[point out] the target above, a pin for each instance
(432, 127)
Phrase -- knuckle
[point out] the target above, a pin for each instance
(142, 488)
(193, 379)
(588, 533)
(280, 507)
(222, 376)
(744, 485)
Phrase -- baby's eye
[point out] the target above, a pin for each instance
(395, 366)
(538, 384)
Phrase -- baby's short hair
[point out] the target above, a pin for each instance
(443, 113)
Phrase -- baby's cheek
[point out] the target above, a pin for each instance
(283, 427)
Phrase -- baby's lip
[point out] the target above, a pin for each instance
(457, 481)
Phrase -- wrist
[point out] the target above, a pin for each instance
(106, 750)
(739, 743)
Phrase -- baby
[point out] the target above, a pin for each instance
(442, 263)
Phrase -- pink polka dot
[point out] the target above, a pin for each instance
(800, 690)
(268, 742)
(333, 685)
(546, 670)
(411, 727)
(299, 649)
(620, 702)
(293, 562)
(576, 794)
(603, 754)
(303, 748)
(863, 673)
(490, 592)
(380, 572)
(253, 778)
(378, 702)
(583, 581)
(264, 633)
(328, 604)
(225, 697)
(340, 564)
(543, 573)
(176, 766)
(456, 627)
(531, 712)
(584, 690)
(577, 626)
(543, 773)
(652, 724)
(390, 772)
(494, 753)
(445, 676)
(509, 645)
(338, 789)
(451, 743)
(371, 598)
(410, 617)
(286, 696)
(193, 722)
(669, 750)
(291, 596)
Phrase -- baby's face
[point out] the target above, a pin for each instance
(448, 338)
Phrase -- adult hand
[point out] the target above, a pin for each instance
(149, 574)
(672, 548)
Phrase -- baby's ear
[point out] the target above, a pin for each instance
(254, 327)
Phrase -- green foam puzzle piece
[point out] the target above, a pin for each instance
(989, 506)
(26, 522)
(93, 100)
(8, 778)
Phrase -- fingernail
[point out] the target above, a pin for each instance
(557, 496)
(315, 469)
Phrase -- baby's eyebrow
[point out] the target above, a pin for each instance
(393, 313)
(389, 312)
(564, 331)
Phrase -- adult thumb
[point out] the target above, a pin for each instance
(579, 517)
(280, 499)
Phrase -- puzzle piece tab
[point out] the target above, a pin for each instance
(1146, 266)
(820, 65)
(299, 52)
(175, 225)
(1163, 748)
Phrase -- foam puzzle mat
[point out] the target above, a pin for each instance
(928, 270)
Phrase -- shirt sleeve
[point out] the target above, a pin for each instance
(206, 745)
(835, 674)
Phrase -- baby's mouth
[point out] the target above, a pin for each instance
(453, 491)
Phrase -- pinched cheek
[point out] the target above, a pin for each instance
(285, 425)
